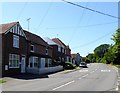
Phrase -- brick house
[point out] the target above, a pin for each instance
(56, 56)
(39, 53)
(64, 51)
(14, 48)
(68, 54)
(24, 52)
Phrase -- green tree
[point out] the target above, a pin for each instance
(100, 51)
(91, 57)
(110, 55)
(116, 50)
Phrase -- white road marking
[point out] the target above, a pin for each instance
(85, 75)
(64, 85)
(80, 78)
(85, 70)
(117, 88)
(106, 70)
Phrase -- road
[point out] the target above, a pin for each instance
(97, 77)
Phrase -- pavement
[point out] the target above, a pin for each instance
(97, 77)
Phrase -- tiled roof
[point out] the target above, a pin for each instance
(58, 41)
(73, 55)
(6, 27)
(49, 41)
(35, 38)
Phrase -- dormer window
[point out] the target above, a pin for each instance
(32, 48)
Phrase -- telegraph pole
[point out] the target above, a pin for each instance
(28, 20)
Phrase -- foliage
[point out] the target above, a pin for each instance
(109, 54)
(2, 81)
(100, 50)
(69, 65)
(85, 59)
(91, 57)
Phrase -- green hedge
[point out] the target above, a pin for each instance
(69, 65)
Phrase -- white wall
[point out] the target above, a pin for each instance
(44, 70)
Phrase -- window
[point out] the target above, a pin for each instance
(36, 62)
(33, 62)
(65, 51)
(15, 41)
(46, 51)
(32, 48)
(14, 61)
(59, 48)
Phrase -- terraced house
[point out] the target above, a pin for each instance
(39, 54)
(23, 51)
(64, 51)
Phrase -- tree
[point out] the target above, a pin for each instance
(91, 57)
(116, 51)
(110, 55)
(100, 51)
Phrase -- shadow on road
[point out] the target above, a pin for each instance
(29, 76)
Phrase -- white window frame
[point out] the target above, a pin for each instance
(33, 60)
(59, 48)
(33, 48)
(13, 58)
(15, 41)
(46, 51)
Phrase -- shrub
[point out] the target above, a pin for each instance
(69, 65)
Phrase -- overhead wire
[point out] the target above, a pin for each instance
(76, 28)
(20, 13)
(91, 25)
(93, 41)
(91, 9)
(44, 16)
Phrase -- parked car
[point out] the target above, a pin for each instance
(83, 64)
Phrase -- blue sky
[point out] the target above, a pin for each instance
(82, 29)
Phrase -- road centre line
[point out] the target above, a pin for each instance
(85, 75)
(64, 85)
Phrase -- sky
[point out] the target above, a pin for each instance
(81, 29)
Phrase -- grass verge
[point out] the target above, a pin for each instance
(2, 81)
(118, 66)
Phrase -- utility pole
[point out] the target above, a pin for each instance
(28, 20)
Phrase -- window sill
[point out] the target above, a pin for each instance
(14, 67)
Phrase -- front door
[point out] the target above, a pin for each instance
(23, 64)
(42, 62)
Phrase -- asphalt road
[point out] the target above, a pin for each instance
(97, 77)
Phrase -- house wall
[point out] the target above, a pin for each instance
(54, 52)
(9, 49)
(50, 50)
